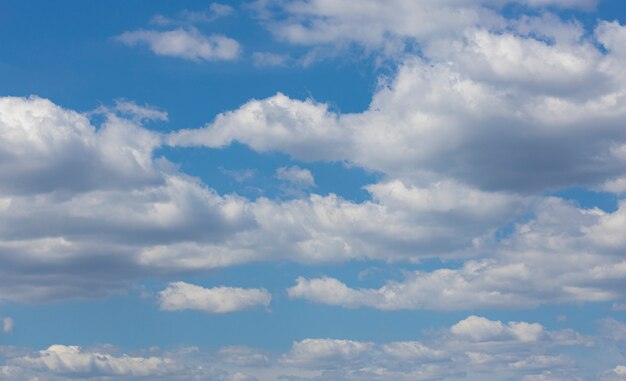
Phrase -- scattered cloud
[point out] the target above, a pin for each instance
(510, 350)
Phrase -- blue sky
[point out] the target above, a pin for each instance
(313, 190)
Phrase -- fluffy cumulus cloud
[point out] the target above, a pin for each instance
(480, 126)
(218, 300)
(121, 213)
(40, 143)
(512, 350)
(499, 111)
(185, 43)
(459, 163)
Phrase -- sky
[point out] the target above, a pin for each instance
(307, 190)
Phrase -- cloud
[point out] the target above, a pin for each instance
(187, 44)
(61, 362)
(40, 143)
(476, 328)
(122, 214)
(69, 360)
(502, 349)
(503, 111)
(320, 352)
(295, 180)
(447, 353)
(473, 155)
(7, 324)
(218, 300)
(239, 175)
(135, 112)
(565, 254)
(387, 26)
(268, 59)
(214, 12)
(243, 356)
(300, 128)
(297, 176)
(616, 374)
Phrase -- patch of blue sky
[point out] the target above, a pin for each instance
(80, 65)
(589, 199)
(240, 170)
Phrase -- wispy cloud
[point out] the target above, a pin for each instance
(189, 44)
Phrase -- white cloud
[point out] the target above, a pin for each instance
(215, 11)
(413, 351)
(616, 374)
(476, 328)
(40, 143)
(444, 355)
(317, 353)
(62, 362)
(135, 112)
(502, 111)
(187, 44)
(278, 123)
(239, 175)
(218, 300)
(456, 165)
(243, 356)
(565, 254)
(139, 214)
(297, 176)
(388, 25)
(268, 59)
(411, 216)
(7, 324)
(69, 360)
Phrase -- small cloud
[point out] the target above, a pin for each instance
(619, 307)
(218, 300)
(267, 59)
(186, 17)
(7, 325)
(239, 175)
(187, 44)
(296, 176)
(161, 20)
(133, 111)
